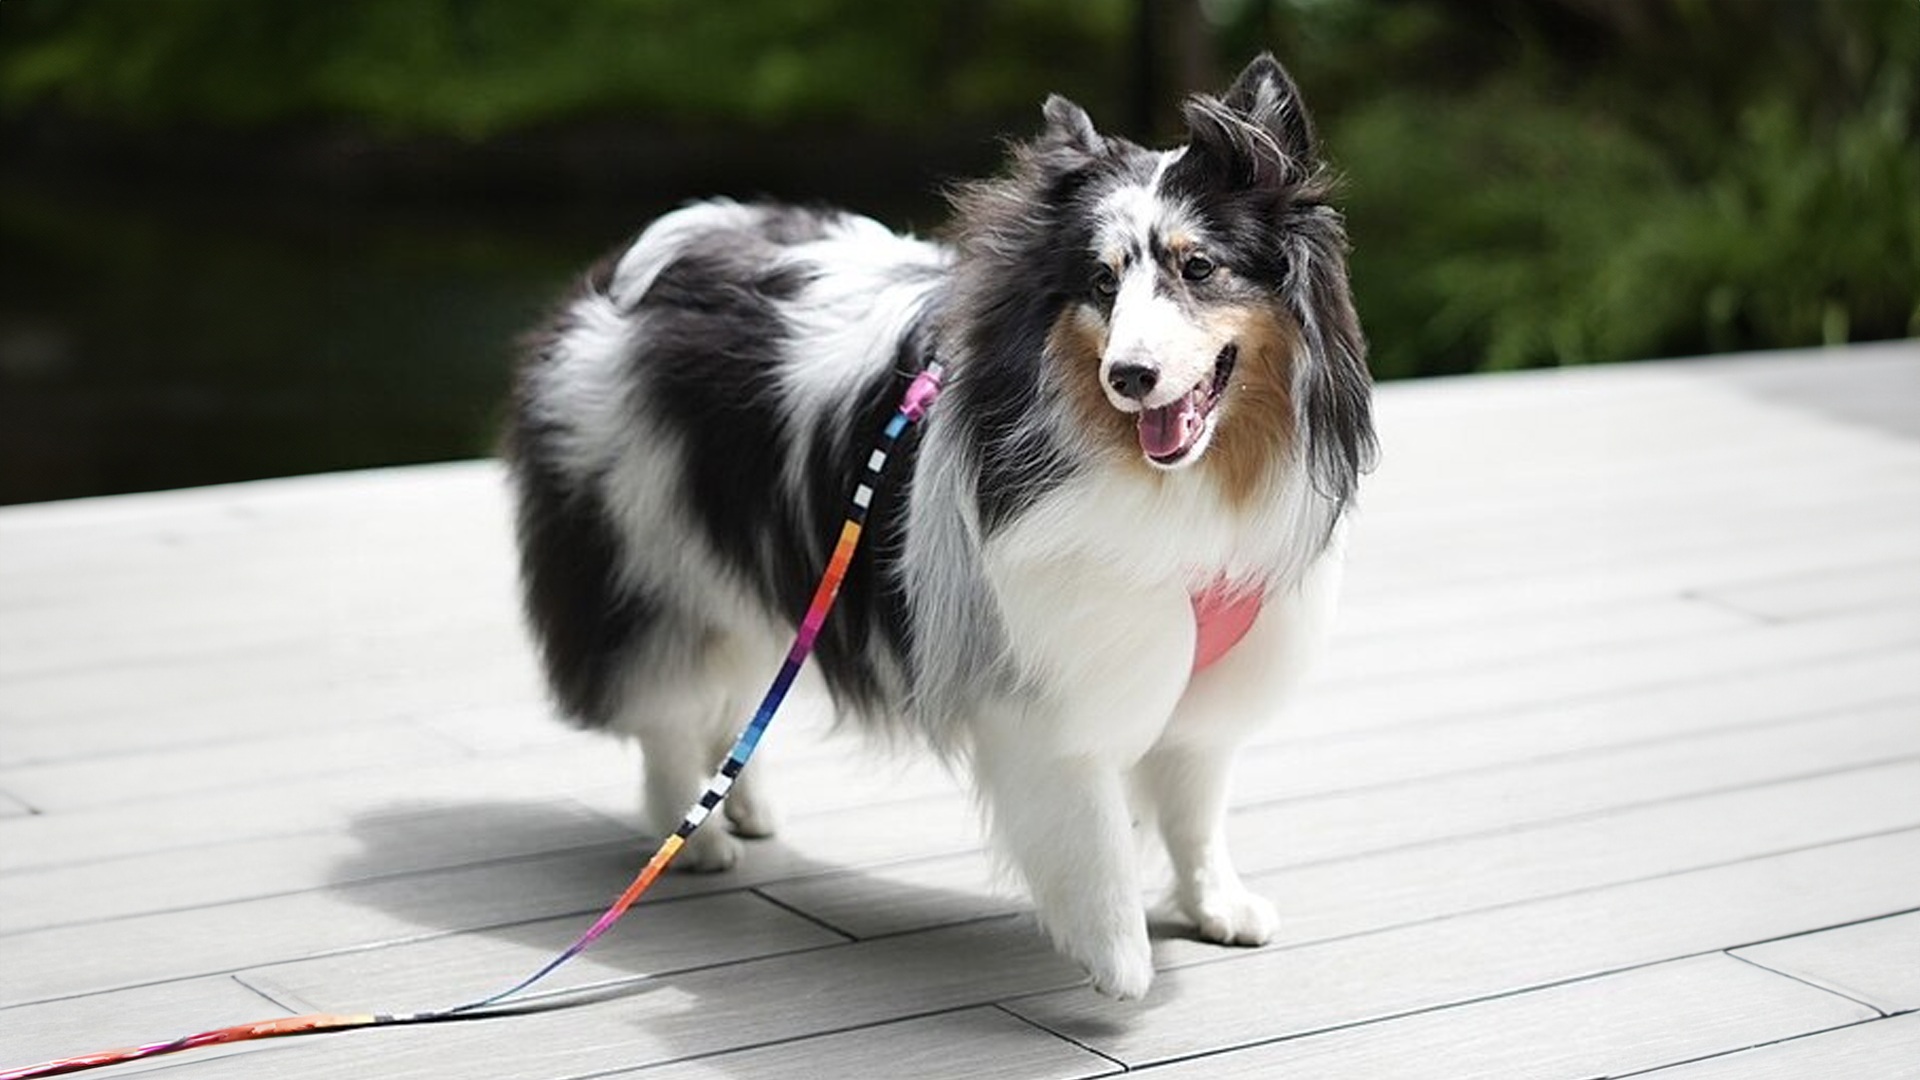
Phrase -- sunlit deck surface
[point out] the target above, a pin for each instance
(1613, 768)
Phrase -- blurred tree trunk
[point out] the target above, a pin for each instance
(1194, 64)
(1173, 57)
(1142, 89)
(1634, 21)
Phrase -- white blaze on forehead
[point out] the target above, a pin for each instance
(1128, 217)
(1146, 325)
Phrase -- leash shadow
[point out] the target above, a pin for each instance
(705, 964)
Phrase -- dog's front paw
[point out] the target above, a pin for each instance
(1120, 960)
(1124, 974)
(1235, 916)
(709, 851)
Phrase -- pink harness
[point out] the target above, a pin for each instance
(1221, 617)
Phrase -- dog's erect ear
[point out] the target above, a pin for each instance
(1265, 94)
(1070, 129)
(1259, 133)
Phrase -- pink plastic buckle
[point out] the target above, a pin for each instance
(920, 395)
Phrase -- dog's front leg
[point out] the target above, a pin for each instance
(1104, 661)
(1064, 822)
(1185, 777)
(1188, 788)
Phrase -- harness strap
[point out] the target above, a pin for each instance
(1221, 617)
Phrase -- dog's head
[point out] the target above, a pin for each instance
(1197, 302)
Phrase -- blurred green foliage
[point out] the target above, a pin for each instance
(1530, 182)
(1536, 183)
(477, 68)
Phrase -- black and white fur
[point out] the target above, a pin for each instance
(684, 438)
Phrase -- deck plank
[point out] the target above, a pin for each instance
(223, 873)
(307, 805)
(30, 1034)
(1428, 881)
(1493, 790)
(1391, 655)
(690, 933)
(1203, 1002)
(1421, 882)
(1400, 736)
(137, 949)
(246, 694)
(1877, 962)
(699, 1013)
(1827, 592)
(1610, 1025)
(1628, 813)
(1877, 1050)
(1424, 603)
(986, 1044)
(835, 775)
(696, 933)
(162, 773)
(1601, 674)
(1619, 542)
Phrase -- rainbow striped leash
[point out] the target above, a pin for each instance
(920, 395)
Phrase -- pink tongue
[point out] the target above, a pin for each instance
(1169, 429)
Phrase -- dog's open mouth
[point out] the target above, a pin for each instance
(1171, 432)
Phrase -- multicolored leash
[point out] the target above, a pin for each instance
(913, 405)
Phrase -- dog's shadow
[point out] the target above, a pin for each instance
(708, 962)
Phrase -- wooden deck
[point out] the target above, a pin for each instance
(1614, 768)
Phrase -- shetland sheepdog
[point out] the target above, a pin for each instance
(1098, 565)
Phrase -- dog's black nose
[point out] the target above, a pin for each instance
(1134, 381)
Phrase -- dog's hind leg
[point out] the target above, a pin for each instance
(685, 718)
(676, 761)
(747, 808)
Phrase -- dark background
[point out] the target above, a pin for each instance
(255, 239)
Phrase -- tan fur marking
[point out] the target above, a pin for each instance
(1255, 428)
(1073, 348)
(1254, 431)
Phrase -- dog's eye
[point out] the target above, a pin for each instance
(1104, 283)
(1197, 268)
